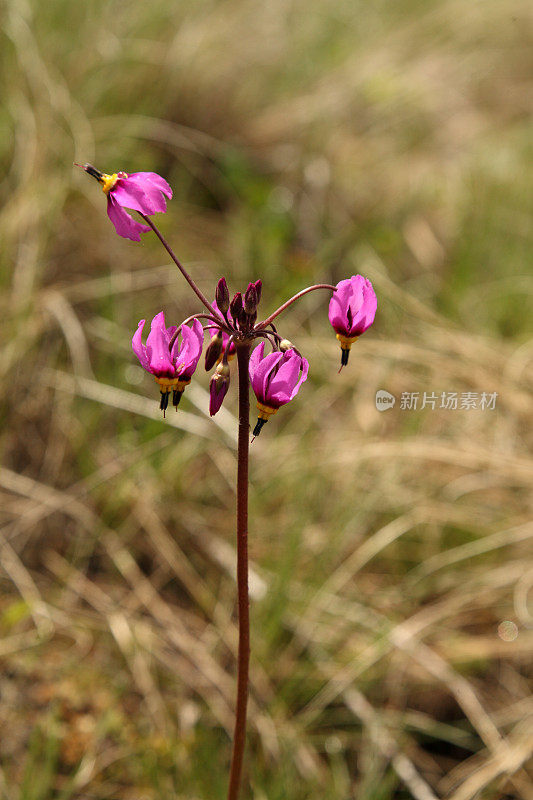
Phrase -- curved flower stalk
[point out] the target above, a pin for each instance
(276, 379)
(352, 309)
(171, 355)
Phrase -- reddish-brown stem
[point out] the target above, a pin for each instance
(282, 308)
(182, 269)
(239, 737)
(185, 322)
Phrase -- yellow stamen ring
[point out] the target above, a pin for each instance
(171, 384)
(265, 412)
(108, 182)
(346, 341)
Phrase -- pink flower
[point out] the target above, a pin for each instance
(276, 379)
(170, 358)
(352, 309)
(140, 191)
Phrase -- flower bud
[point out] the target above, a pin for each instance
(285, 345)
(218, 387)
(214, 350)
(258, 289)
(222, 296)
(235, 307)
(250, 299)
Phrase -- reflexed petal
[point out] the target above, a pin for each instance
(153, 178)
(124, 224)
(255, 359)
(186, 355)
(368, 309)
(128, 195)
(138, 347)
(263, 375)
(338, 306)
(353, 306)
(142, 191)
(289, 378)
(157, 343)
(356, 298)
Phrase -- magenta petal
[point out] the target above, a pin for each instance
(124, 224)
(352, 307)
(157, 348)
(216, 396)
(285, 378)
(142, 190)
(368, 309)
(155, 179)
(138, 347)
(338, 306)
(263, 375)
(288, 379)
(129, 195)
(186, 355)
(255, 359)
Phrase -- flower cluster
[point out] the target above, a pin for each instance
(172, 354)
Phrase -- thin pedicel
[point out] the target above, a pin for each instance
(171, 355)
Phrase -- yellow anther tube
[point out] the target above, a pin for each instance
(108, 182)
(346, 341)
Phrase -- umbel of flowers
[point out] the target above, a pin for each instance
(171, 355)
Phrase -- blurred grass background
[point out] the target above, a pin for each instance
(304, 142)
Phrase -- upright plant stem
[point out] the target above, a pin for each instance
(239, 737)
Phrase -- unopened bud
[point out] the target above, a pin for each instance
(214, 350)
(250, 299)
(285, 345)
(235, 307)
(258, 288)
(218, 387)
(222, 296)
(222, 372)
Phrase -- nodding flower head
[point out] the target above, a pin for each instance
(351, 311)
(170, 355)
(276, 379)
(140, 191)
